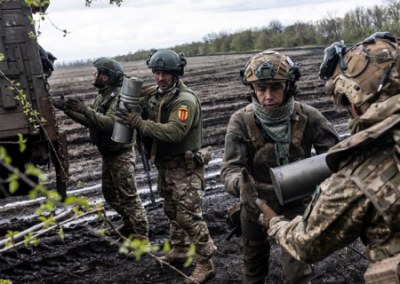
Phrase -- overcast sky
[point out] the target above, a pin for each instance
(108, 30)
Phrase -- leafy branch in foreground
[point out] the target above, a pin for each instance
(76, 208)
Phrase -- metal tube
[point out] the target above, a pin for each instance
(298, 180)
(130, 94)
(122, 133)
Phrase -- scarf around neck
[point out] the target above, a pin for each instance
(275, 123)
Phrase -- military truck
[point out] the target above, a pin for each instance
(23, 67)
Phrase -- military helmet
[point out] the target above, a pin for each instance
(112, 68)
(167, 60)
(367, 72)
(269, 67)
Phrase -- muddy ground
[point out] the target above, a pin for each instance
(84, 257)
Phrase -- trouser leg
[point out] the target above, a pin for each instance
(184, 210)
(122, 194)
(294, 271)
(177, 234)
(256, 248)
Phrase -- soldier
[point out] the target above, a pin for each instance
(118, 180)
(274, 130)
(361, 198)
(171, 123)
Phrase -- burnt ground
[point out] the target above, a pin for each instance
(84, 257)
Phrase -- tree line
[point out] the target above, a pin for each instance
(355, 26)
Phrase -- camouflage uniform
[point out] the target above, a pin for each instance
(360, 199)
(118, 180)
(180, 178)
(244, 148)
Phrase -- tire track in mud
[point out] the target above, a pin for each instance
(83, 257)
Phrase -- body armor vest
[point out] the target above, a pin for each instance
(264, 152)
(100, 138)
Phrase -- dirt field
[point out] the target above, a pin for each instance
(83, 257)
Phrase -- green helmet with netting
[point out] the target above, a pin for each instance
(367, 72)
(269, 67)
(112, 69)
(167, 60)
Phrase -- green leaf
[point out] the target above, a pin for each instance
(43, 178)
(39, 211)
(167, 247)
(123, 250)
(21, 142)
(188, 262)
(5, 281)
(13, 187)
(33, 194)
(34, 241)
(192, 250)
(28, 238)
(11, 234)
(70, 200)
(43, 219)
(61, 233)
(14, 176)
(155, 248)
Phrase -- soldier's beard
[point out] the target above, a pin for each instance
(99, 84)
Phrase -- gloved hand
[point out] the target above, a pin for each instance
(129, 117)
(46, 63)
(59, 103)
(76, 104)
(248, 191)
(266, 215)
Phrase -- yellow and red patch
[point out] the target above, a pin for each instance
(183, 112)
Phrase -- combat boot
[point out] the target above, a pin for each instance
(203, 271)
(178, 254)
(126, 228)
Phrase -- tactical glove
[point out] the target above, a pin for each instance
(76, 104)
(129, 117)
(59, 103)
(266, 215)
(248, 191)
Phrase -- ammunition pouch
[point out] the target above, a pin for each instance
(177, 162)
(188, 161)
(234, 218)
(383, 272)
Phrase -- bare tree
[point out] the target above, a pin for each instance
(377, 16)
(276, 26)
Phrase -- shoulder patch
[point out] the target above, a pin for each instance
(183, 112)
(308, 210)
